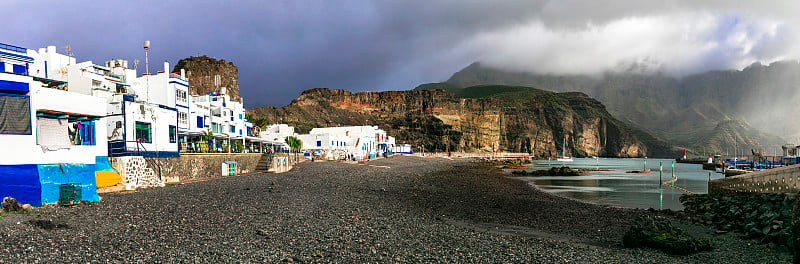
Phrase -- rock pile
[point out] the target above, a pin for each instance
(760, 216)
(11, 205)
(554, 171)
(657, 232)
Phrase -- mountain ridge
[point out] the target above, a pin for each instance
(676, 110)
(489, 118)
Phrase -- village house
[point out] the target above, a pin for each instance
(49, 133)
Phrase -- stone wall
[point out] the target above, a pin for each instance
(136, 173)
(779, 180)
(193, 167)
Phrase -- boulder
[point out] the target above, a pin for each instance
(11, 205)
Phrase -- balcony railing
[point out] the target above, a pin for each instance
(13, 48)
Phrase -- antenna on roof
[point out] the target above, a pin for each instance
(69, 52)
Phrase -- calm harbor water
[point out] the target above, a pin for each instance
(618, 188)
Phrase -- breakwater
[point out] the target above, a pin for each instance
(765, 217)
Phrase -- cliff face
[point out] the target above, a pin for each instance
(201, 71)
(687, 111)
(518, 119)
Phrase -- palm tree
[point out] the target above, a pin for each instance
(294, 143)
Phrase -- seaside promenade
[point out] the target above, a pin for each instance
(400, 209)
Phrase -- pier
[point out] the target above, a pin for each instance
(777, 180)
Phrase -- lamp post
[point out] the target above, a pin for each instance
(147, 67)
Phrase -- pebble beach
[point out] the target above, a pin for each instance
(389, 210)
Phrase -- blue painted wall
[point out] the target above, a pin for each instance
(52, 175)
(22, 183)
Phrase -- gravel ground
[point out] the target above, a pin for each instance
(402, 209)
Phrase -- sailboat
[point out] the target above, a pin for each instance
(564, 157)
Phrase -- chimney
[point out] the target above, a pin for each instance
(166, 67)
(183, 74)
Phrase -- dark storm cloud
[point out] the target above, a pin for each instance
(284, 47)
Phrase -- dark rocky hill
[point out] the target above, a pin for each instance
(201, 71)
(683, 111)
(483, 118)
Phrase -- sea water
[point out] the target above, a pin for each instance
(616, 187)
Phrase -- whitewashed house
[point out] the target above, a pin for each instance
(356, 142)
(49, 134)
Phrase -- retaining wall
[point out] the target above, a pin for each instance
(193, 167)
(778, 180)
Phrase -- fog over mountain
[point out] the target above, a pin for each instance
(284, 47)
(713, 110)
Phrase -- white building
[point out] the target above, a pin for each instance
(357, 142)
(277, 132)
(52, 138)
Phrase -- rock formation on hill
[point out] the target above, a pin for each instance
(685, 111)
(484, 118)
(201, 71)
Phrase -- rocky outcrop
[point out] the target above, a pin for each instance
(687, 111)
(201, 71)
(535, 121)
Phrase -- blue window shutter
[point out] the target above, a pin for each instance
(2, 67)
(20, 69)
(87, 133)
(199, 122)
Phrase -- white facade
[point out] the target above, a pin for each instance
(277, 132)
(348, 142)
(50, 136)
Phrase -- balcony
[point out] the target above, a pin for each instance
(13, 48)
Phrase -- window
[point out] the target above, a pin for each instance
(240, 116)
(319, 143)
(15, 117)
(199, 122)
(143, 132)
(240, 131)
(233, 129)
(183, 118)
(180, 96)
(87, 133)
(96, 84)
(173, 134)
(20, 69)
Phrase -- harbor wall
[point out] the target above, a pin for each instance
(778, 180)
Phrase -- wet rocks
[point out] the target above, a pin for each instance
(657, 232)
(766, 217)
(554, 171)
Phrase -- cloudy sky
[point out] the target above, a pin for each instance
(285, 46)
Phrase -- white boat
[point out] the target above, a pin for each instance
(564, 157)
